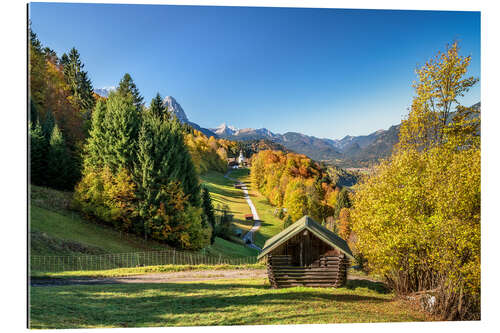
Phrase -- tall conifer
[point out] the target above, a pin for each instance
(59, 162)
(122, 122)
(156, 107)
(38, 151)
(96, 143)
(208, 212)
(77, 79)
(127, 87)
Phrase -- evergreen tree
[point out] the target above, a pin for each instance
(34, 41)
(162, 157)
(96, 142)
(51, 55)
(208, 211)
(33, 112)
(157, 108)
(163, 165)
(48, 125)
(59, 162)
(77, 79)
(127, 87)
(122, 122)
(343, 201)
(38, 152)
(79, 83)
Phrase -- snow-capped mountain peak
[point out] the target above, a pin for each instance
(224, 129)
(175, 108)
(104, 91)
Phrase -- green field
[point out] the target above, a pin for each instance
(219, 302)
(223, 192)
(270, 224)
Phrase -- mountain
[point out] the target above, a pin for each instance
(230, 132)
(314, 147)
(370, 148)
(224, 130)
(176, 109)
(351, 149)
(104, 92)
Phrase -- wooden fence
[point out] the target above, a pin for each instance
(124, 260)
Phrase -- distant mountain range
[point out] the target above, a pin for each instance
(350, 151)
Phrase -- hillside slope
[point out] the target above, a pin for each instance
(57, 231)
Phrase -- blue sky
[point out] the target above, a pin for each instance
(321, 72)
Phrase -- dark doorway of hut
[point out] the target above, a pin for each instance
(306, 254)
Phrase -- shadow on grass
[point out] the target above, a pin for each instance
(166, 304)
(224, 192)
(372, 285)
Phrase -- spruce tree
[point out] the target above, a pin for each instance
(77, 79)
(343, 201)
(184, 168)
(161, 165)
(38, 154)
(157, 108)
(48, 125)
(208, 212)
(122, 122)
(33, 112)
(163, 157)
(127, 87)
(59, 166)
(96, 143)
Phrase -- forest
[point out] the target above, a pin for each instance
(299, 186)
(131, 166)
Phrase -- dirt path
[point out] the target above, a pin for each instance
(186, 276)
(256, 224)
(171, 277)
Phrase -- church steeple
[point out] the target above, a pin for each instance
(241, 159)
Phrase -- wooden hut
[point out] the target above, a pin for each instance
(306, 254)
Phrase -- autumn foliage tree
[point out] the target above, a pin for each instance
(295, 182)
(52, 104)
(208, 154)
(344, 223)
(417, 219)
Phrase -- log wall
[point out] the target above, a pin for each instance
(330, 271)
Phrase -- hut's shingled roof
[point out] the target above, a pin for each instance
(306, 222)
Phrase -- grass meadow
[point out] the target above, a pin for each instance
(221, 302)
(270, 224)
